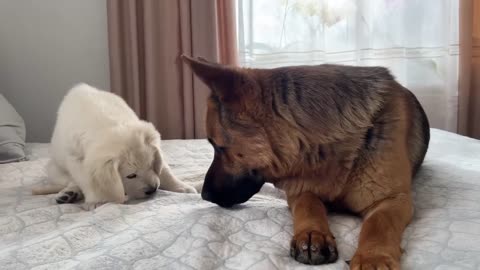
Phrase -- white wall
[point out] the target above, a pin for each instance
(46, 46)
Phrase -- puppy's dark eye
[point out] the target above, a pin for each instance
(131, 176)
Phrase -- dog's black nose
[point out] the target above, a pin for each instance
(206, 196)
(150, 191)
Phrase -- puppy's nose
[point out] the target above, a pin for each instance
(150, 191)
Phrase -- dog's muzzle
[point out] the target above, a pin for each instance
(227, 190)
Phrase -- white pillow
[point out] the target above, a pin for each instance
(12, 133)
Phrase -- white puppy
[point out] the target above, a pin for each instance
(101, 152)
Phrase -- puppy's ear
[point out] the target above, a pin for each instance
(106, 180)
(157, 160)
(150, 134)
(152, 139)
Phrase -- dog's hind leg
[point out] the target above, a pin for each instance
(312, 243)
(57, 180)
(69, 192)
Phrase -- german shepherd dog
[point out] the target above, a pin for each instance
(329, 136)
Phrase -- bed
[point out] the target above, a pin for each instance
(180, 231)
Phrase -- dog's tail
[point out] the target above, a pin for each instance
(44, 190)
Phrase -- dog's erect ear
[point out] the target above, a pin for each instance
(106, 180)
(223, 80)
(203, 59)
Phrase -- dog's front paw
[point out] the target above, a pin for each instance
(374, 261)
(313, 247)
(91, 206)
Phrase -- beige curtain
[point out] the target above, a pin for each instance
(146, 38)
(469, 81)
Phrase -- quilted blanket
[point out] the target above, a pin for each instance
(180, 231)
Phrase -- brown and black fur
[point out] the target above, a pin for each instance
(348, 137)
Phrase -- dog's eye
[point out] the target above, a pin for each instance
(132, 175)
(218, 149)
(211, 141)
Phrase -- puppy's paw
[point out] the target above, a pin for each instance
(91, 206)
(68, 197)
(198, 186)
(374, 261)
(182, 188)
(185, 189)
(313, 247)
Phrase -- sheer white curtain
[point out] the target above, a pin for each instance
(416, 39)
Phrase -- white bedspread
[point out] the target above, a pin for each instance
(180, 231)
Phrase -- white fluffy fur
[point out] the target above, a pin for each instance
(97, 142)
